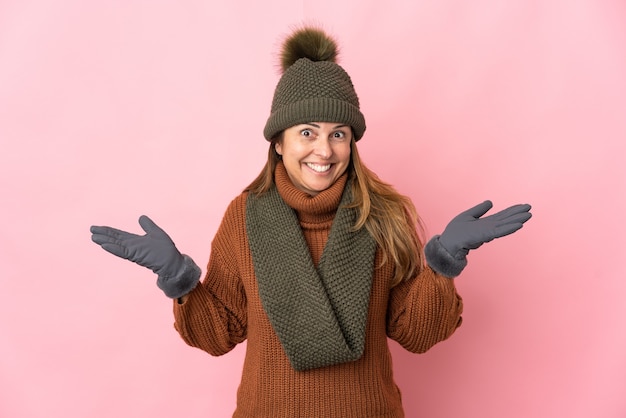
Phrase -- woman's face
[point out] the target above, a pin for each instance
(315, 154)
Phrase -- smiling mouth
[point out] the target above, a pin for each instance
(320, 168)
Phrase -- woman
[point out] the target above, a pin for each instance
(318, 262)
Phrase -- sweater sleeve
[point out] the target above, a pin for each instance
(213, 316)
(423, 311)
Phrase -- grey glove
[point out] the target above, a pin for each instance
(178, 274)
(447, 253)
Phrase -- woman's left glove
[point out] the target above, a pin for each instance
(178, 274)
(447, 253)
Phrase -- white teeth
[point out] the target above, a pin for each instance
(319, 168)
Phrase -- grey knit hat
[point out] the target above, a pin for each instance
(313, 87)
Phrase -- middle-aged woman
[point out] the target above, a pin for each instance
(318, 262)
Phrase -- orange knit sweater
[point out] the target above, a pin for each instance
(225, 309)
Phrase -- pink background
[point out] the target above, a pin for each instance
(111, 109)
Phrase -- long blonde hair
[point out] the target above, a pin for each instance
(389, 217)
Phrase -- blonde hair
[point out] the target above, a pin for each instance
(389, 217)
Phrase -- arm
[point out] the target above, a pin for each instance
(213, 317)
(423, 311)
(210, 316)
(427, 309)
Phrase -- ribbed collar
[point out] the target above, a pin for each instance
(310, 209)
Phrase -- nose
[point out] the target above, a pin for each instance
(323, 148)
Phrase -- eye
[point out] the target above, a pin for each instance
(306, 132)
(339, 136)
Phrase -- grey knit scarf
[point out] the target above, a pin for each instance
(319, 315)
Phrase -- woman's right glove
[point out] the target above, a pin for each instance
(447, 253)
(178, 274)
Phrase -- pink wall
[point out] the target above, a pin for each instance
(113, 109)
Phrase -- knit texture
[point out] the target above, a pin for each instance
(225, 309)
(314, 91)
(319, 314)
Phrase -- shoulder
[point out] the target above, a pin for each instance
(232, 229)
(238, 203)
(236, 210)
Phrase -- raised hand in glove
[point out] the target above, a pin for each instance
(178, 274)
(447, 253)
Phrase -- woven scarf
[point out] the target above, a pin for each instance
(319, 314)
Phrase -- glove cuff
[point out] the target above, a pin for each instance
(183, 282)
(440, 260)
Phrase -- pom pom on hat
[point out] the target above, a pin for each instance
(313, 87)
(308, 42)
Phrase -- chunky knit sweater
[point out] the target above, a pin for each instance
(225, 309)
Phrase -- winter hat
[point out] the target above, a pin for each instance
(313, 87)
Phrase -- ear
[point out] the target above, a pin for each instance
(278, 148)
